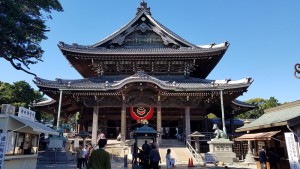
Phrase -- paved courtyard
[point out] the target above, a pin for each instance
(72, 165)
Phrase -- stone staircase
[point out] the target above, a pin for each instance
(178, 150)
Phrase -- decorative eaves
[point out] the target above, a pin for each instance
(106, 84)
(138, 51)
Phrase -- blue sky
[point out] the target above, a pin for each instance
(264, 37)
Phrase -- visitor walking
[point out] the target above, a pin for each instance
(99, 158)
(263, 158)
(273, 158)
(91, 148)
(146, 151)
(134, 151)
(79, 156)
(154, 157)
(85, 155)
(168, 159)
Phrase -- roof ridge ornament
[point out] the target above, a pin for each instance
(143, 6)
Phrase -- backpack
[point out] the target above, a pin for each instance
(155, 157)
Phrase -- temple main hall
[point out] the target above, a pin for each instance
(143, 73)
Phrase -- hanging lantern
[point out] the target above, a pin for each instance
(141, 113)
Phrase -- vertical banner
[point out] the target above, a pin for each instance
(10, 142)
(3, 137)
(292, 147)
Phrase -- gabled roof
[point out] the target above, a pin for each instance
(277, 116)
(143, 21)
(141, 17)
(143, 40)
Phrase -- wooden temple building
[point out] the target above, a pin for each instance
(143, 73)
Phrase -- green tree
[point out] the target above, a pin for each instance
(20, 94)
(73, 120)
(24, 95)
(6, 93)
(262, 104)
(22, 28)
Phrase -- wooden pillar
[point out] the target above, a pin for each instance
(123, 123)
(159, 120)
(95, 125)
(187, 123)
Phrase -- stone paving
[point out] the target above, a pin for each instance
(117, 161)
(72, 165)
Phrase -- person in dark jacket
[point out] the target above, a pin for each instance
(154, 157)
(99, 158)
(146, 150)
(273, 158)
(263, 158)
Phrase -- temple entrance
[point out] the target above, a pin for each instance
(114, 129)
(197, 125)
(169, 129)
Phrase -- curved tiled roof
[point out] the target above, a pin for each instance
(176, 83)
(138, 51)
(277, 116)
(44, 103)
(243, 104)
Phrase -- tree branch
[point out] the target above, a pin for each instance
(18, 67)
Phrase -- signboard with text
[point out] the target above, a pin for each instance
(3, 138)
(26, 113)
(292, 147)
(55, 143)
(9, 142)
(210, 158)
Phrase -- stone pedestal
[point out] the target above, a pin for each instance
(222, 148)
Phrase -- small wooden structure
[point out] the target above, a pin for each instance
(145, 132)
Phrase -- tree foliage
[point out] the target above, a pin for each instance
(20, 94)
(262, 104)
(22, 28)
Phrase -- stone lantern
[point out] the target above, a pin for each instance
(83, 135)
(249, 156)
(196, 135)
